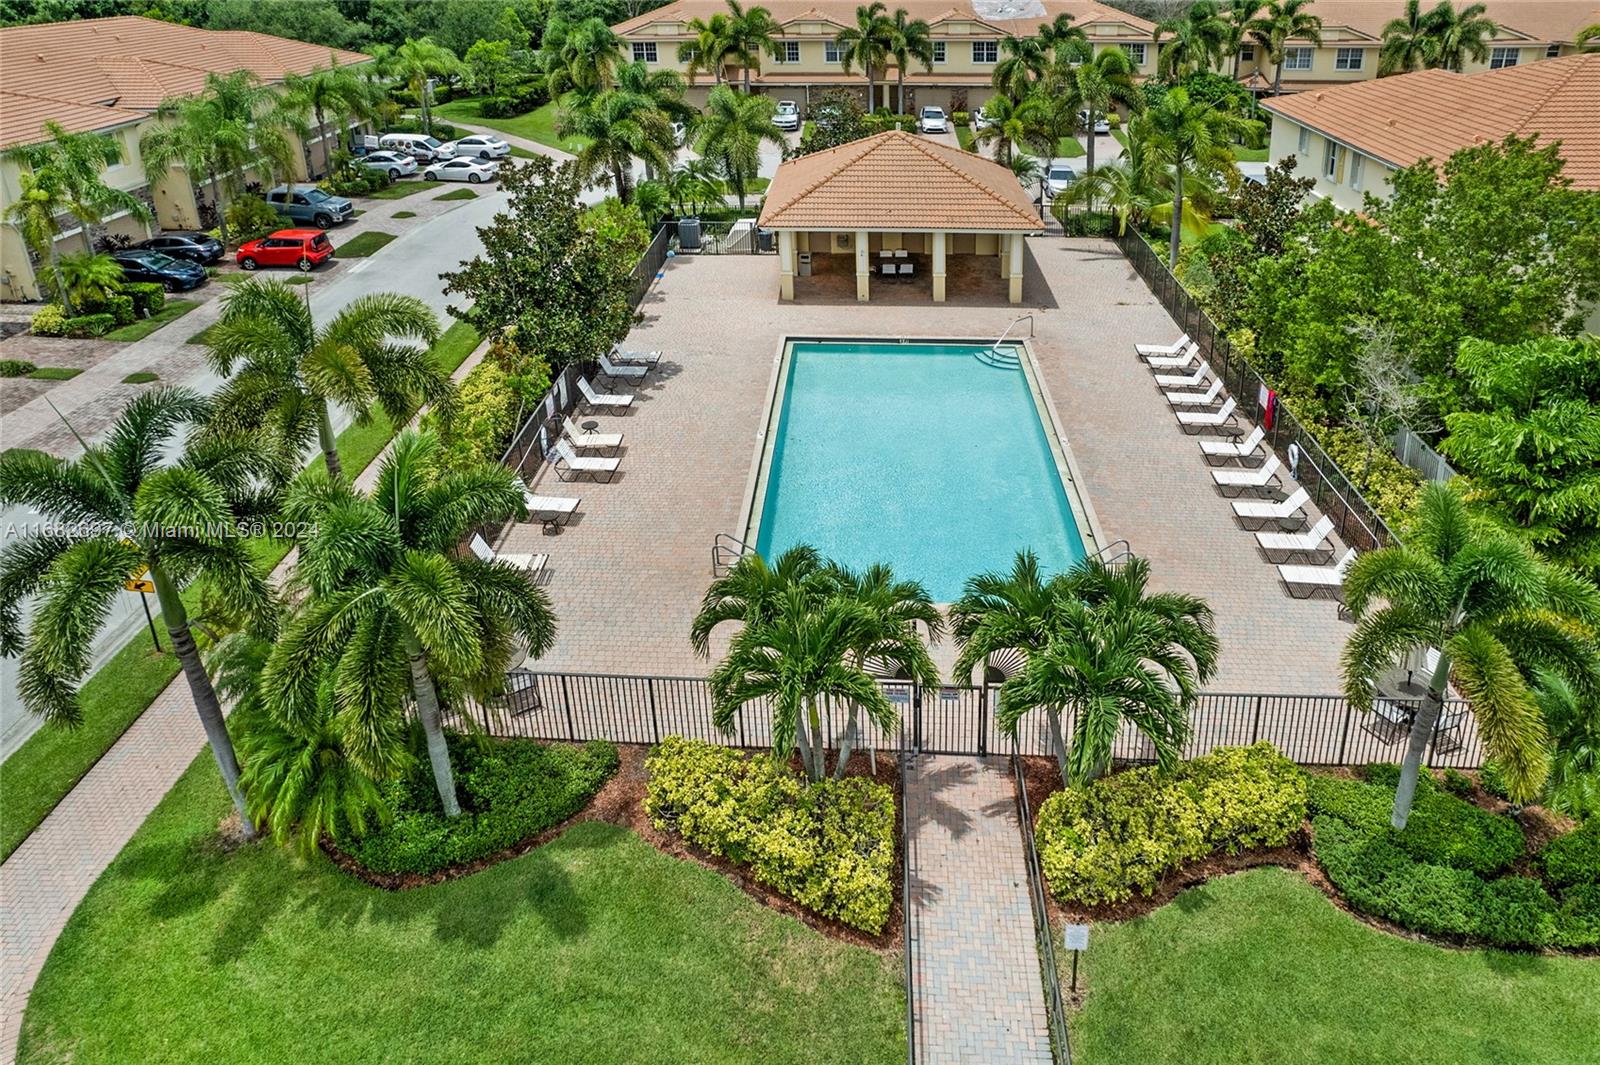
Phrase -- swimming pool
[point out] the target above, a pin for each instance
(932, 457)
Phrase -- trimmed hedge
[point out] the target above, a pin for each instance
(827, 845)
(1574, 859)
(90, 325)
(16, 368)
(510, 790)
(48, 321)
(148, 297)
(1123, 832)
(1442, 829)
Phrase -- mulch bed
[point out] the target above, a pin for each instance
(620, 801)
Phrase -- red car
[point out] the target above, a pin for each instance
(304, 248)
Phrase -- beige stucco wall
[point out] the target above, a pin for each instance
(1311, 151)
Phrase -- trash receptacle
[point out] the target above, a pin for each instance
(765, 240)
(805, 264)
(688, 234)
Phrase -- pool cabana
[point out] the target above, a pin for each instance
(927, 210)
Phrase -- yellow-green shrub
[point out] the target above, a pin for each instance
(481, 418)
(828, 845)
(1122, 833)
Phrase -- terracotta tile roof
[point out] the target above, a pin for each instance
(128, 63)
(897, 180)
(1434, 113)
(843, 12)
(778, 75)
(1528, 21)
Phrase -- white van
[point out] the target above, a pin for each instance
(419, 146)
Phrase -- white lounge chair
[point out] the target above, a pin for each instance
(1313, 579)
(1194, 380)
(1196, 399)
(584, 440)
(642, 358)
(551, 510)
(532, 563)
(594, 400)
(1265, 510)
(569, 465)
(1233, 449)
(1174, 362)
(1299, 543)
(1163, 349)
(1195, 420)
(1260, 477)
(622, 371)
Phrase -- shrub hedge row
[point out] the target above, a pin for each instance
(1123, 832)
(828, 845)
(509, 789)
(1442, 829)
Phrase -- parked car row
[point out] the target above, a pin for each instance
(421, 148)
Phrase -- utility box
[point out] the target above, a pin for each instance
(688, 234)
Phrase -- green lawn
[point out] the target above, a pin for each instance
(519, 152)
(400, 190)
(404, 214)
(40, 772)
(594, 948)
(55, 373)
(1259, 967)
(171, 312)
(363, 244)
(458, 194)
(1249, 155)
(200, 337)
(964, 138)
(143, 377)
(537, 125)
(1069, 148)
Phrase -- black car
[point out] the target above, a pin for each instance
(196, 247)
(176, 275)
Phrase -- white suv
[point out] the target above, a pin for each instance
(787, 116)
(933, 120)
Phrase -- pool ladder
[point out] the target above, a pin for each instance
(726, 550)
(993, 356)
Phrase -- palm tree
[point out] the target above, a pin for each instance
(1280, 22)
(62, 177)
(732, 131)
(1573, 723)
(1022, 64)
(1065, 42)
(1094, 87)
(1003, 615)
(1198, 37)
(1027, 124)
(693, 183)
(391, 609)
(1238, 14)
(90, 278)
(1460, 34)
(1136, 188)
(707, 50)
(1190, 137)
(1495, 613)
(417, 62)
(910, 39)
(632, 120)
(289, 371)
(866, 44)
(144, 512)
(1588, 38)
(1027, 170)
(233, 125)
(579, 56)
(751, 588)
(1408, 43)
(749, 33)
(334, 90)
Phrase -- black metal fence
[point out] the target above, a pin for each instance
(1313, 730)
(1055, 1011)
(649, 264)
(907, 927)
(1355, 519)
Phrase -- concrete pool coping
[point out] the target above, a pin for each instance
(1072, 482)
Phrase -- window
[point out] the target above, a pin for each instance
(1357, 163)
(985, 51)
(1500, 58)
(1348, 58)
(938, 51)
(644, 51)
(1330, 160)
(788, 51)
(1135, 53)
(830, 51)
(1553, 51)
(1305, 141)
(1247, 53)
(1297, 59)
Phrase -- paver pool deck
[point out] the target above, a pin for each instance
(627, 575)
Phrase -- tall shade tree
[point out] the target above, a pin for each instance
(332, 91)
(1030, 124)
(172, 517)
(750, 31)
(1193, 137)
(1496, 615)
(417, 62)
(731, 134)
(233, 125)
(632, 120)
(392, 608)
(62, 176)
(707, 49)
(1408, 42)
(911, 38)
(1238, 14)
(1022, 64)
(1460, 34)
(866, 45)
(1066, 43)
(1093, 86)
(1198, 37)
(1280, 22)
(283, 373)
(581, 56)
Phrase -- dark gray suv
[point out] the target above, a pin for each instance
(309, 205)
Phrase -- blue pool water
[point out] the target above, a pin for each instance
(919, 455)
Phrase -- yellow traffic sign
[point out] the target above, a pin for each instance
(138, 582)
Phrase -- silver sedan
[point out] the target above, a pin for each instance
(394, 164)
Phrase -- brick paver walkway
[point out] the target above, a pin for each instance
(978, 993)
